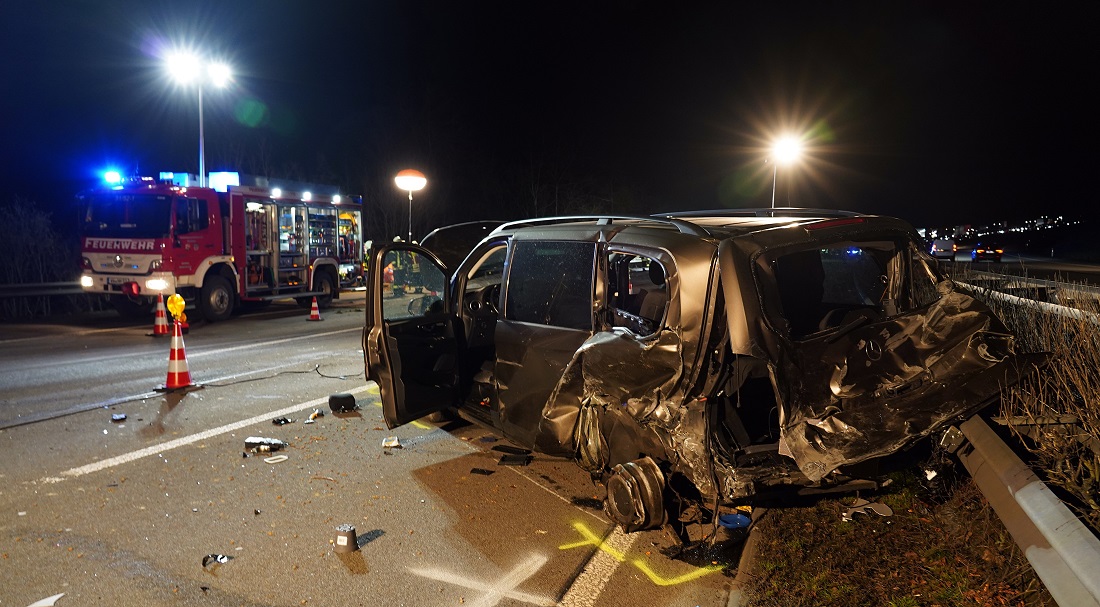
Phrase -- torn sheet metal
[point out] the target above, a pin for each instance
(862, 506)
(620, 399)
(885, 384)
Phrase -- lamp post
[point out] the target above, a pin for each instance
(413, 181)
(186, 68)
(786, 150)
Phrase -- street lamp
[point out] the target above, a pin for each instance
(785, 150)
(186, 68)
(413, 181)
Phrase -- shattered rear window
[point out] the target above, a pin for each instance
(829, 286)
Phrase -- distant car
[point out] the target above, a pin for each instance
(944, 248)
(986, 252)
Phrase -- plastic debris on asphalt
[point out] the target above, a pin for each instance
(392, 442)
(515, 459)
(118, 418)
(281, 421)
(313, 416)
(862, 506)
(211, 562)
(275, 459)
(260, 444)
(481, 471)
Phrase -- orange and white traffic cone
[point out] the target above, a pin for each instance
(315, 313)
(160, 324)
(178, 375)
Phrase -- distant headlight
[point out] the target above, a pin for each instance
(156, 284)
(86, 281)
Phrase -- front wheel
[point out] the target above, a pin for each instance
(216, 300)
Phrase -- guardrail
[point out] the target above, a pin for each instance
(1063, 552)
(40, 289)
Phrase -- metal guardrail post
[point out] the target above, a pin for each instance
(1063, 552)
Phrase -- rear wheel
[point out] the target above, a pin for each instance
(216, 299)
(322, 282)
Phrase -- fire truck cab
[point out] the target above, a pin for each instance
(218, 249)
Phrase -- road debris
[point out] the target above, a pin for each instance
(282, 421)
(260, 444)
(275, 459)
(118, 418)
(481, 471)
(862, 506)
(313, 416)
(342, 403)
(392, 442)
(734, 521)
(345, 539)
(515, 459)
(211, 562)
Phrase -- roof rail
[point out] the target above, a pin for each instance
(685, 227)
(764, 212)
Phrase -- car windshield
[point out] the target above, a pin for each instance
(118, 215)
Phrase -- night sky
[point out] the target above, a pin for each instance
(941, 113)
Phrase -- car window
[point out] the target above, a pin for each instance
(833, 285)
(411, 286)
(551, 283)
(637, 292)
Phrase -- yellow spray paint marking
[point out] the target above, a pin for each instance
(175, 305)
(591, 539)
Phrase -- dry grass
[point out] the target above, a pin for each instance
(1065, 455)
(949, 553)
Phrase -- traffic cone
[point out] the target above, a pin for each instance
(315, 313)
(178, 375)
(160, 324)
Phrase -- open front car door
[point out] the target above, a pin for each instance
(409, 338)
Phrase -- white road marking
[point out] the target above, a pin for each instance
(587, 587)
(501, 589)
(187, 440)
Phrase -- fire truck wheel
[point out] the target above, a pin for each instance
(216, 301)
(326, 286)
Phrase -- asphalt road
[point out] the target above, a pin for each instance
(123, 513)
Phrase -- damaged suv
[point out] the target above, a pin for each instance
(706, 357)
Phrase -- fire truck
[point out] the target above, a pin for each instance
(218, 248)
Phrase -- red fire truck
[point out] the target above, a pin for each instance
(145, 236)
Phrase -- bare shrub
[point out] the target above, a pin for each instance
(36, 253)
(1057, 411)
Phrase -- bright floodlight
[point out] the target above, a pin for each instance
(183, 67)
(220, 74)
(410, 180)
(787, 149)
(307, 195)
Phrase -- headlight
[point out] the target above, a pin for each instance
(156, 284)
(86, 281)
